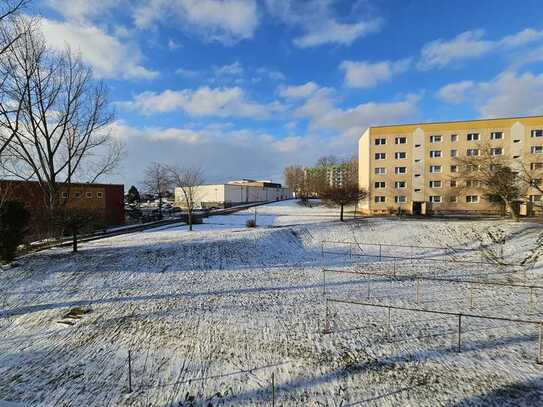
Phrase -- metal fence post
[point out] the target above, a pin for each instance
(369, 288)
(380, 252)
(323, 281)
(129, 371)
(418, 290)
(394, 266)
(531, 298)
(350, 252)
(322, 250)
(459, 331)
(326, 324)
(539, 351)
(273, 389)
(389, 327)
(471, 295)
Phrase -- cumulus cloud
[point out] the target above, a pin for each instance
(225, 21)
(366, 74)
(471, 45)
(299, 91)
(508, 94)
(234, 69)
(455, 93)
(319, 23)
(108, 56)
(205, 101)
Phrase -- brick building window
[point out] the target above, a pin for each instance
(454, 153)
(435, 139)
(435, 153)
(435, 184)
(435, 199)
(536, 149)
(454, 138)
(379, 199)
(472, 199)
(454, 168)
(537, 133)
(380, 156)
(472, 137)
(496, 151)
(89, 194)
(65, 195)
(380, 141)
(380, 171)
(99, 195)
(400, 170)
(400, 199)
(400, 184)
(77, 194)
(401, 140)
(379, 184)
(435, 168)
(400, 155)
(471, 152)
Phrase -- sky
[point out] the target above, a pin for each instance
(242, 88)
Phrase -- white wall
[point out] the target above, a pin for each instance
(234, 194)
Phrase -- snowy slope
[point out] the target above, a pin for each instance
(208, 317)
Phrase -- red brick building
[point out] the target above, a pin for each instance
(106, 199)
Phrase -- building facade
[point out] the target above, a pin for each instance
(105, 199)
(412, 167)
(234, 193)
(335, 174)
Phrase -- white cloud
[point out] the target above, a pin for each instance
(467, 45)
(271, 73)
(508, 94)
(225, 21)
(322, 112)
(366, 74)
(235, 69)
(109, 57)
(173, 45)
(205, 101)
(319, 23)
(298, 92)
(471, 45)
(83, 10)
(455, 93)
(187, 73)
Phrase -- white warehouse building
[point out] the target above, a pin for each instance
(235, 193)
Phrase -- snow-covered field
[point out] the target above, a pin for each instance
(210, 316)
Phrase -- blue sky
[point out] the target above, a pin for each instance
(244, 87)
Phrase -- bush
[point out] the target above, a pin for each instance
(13, 221)
(251, 223)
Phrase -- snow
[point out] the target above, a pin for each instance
(210, 315)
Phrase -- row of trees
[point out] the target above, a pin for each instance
(320, 181)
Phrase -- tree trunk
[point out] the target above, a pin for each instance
(190, 219)
(74, 243)
(341, 213)
(513, 210)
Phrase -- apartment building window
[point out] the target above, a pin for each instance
(472, 137)
(453, 199)
(435, 153)
(400, 199)
(435, 139)
(435, 168)
(454, 153)
(472, 198)
(435, 198)
(452, 183)
(454, 168)
(99, 195)
(472, 152)
(496, 135)
(417, 189)
(380, 141)
(472, 183)
(418, 160)
(435, 184)
(401, 140)
(400, 155)
(380, 171)
(399, 184)
(496, 151)
(536, 149)
(535, 198)
(380, 156)
(65, 194)
(77, 194)
(379, 199)
(536, 166)
(400, 170)
(537, 133)
(89, 194)
(379, 184)
(516, 141)
(454, 138)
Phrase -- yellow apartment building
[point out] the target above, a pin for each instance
(412, 166)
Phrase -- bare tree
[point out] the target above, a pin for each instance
(346, 193)
(327, 160)
(189, 180)
(294, 178)
(494, 176)
(60, 126)
(157, 181)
